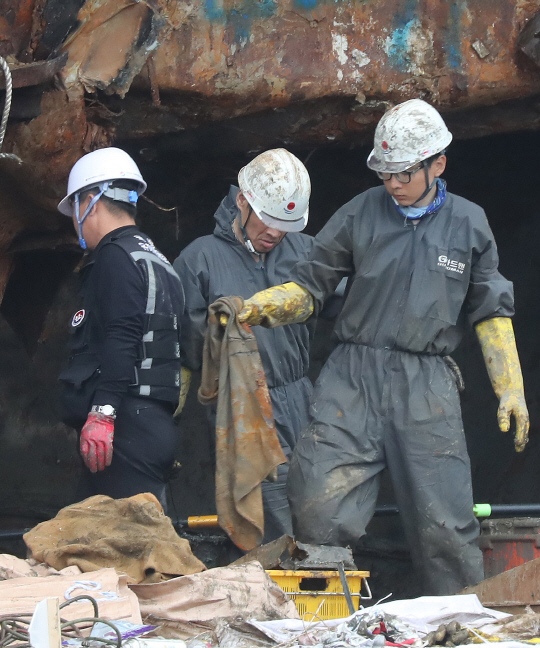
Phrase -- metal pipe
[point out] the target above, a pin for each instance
(480, 510)
(384, 510)
(12, 533)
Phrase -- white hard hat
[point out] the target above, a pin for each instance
(276, 185)
(103, 165)
(410, 132)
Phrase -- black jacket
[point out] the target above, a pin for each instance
(126, 336)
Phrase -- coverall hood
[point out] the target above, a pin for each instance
(225, 215)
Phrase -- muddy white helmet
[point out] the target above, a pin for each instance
(277, 186)
(103, 165)
(410, 132)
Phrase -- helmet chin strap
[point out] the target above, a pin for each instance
(245, 236)
(429, 186)
(103, 188)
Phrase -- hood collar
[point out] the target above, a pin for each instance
(225, 215)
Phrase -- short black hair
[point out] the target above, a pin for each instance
(116, 207)
(429, 161)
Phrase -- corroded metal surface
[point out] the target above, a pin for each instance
(248, 56)
(15, 26)
(111, 44)
(35, 73)
(529, 41)
(246, 75)
(512, 590)
(331, 66)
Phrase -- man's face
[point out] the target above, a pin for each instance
(406, 194)
(263, 238)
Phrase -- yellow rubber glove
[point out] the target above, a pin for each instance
(184, 388)
(285, 304)
(498, 344)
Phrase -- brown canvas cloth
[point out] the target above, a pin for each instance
(132, 535)
(13, 567)
(247, 445)
(108, 588)
(189, 605)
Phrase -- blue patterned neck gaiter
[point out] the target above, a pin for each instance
(416, 213)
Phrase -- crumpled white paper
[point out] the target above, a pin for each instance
(424, 614)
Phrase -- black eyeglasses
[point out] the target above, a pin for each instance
(402, 176)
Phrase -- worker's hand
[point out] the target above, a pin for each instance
(284, 304)
(512, 403)
(250, 314)
(243, 317)
(96, 442)
(496, 337)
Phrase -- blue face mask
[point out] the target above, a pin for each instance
(416, 213)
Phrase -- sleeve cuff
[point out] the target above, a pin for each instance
(106, 398)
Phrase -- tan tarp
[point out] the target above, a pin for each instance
(106, 586)
(13, 567)
(247, 445)
(132, 535)
(189, 605)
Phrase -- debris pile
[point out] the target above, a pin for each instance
(121, 591)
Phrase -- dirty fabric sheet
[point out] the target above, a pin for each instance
(247, 445)
(190, 605)
(132, 535)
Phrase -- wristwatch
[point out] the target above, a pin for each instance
(107, 410)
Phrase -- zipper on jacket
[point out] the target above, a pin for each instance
(407, 289)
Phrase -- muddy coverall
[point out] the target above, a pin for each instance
(386, 397)
(218, 265)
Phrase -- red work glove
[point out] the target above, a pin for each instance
(97, 441)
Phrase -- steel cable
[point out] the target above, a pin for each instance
(7, 108)
(14, 627)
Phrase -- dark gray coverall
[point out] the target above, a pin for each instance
(219, 265)
(386, 397)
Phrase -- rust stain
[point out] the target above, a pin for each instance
(15, 26)
(512, 590)
(102, 46)
(287, 55)
(233, 58)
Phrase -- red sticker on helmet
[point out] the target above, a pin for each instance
(385, 145)
(291, 205)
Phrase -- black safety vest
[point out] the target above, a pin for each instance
(156, 373)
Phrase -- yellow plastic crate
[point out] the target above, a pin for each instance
(320, 592)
